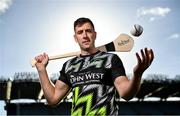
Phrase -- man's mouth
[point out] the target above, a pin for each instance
(85, 42)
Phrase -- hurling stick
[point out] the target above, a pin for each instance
(123, 43)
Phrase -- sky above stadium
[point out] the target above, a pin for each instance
(31, 27)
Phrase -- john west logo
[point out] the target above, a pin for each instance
(123, 42)
(85, 77)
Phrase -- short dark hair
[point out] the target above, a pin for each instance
(81, 21)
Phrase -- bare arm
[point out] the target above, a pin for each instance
(129, 88)
(53, 93)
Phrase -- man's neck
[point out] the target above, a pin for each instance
(88, 52)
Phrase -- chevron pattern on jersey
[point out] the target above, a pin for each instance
(86, 100)
(91, 99)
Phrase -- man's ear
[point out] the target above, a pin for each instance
(75, 38)
(95, 34)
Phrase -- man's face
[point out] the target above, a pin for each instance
(85, 36)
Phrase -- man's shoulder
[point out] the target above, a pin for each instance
(71, 59)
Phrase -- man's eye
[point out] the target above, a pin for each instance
(79, 32)
(89, 30)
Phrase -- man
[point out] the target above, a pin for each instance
(93, 76)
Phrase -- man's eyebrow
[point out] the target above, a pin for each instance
(88, 30)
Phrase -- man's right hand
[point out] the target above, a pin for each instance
(42, 61)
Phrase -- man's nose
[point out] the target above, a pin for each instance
(84, 34)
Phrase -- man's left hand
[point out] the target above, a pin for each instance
(143, 62)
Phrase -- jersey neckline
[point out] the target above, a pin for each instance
(82, 56)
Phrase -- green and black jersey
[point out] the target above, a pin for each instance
(91, 78)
